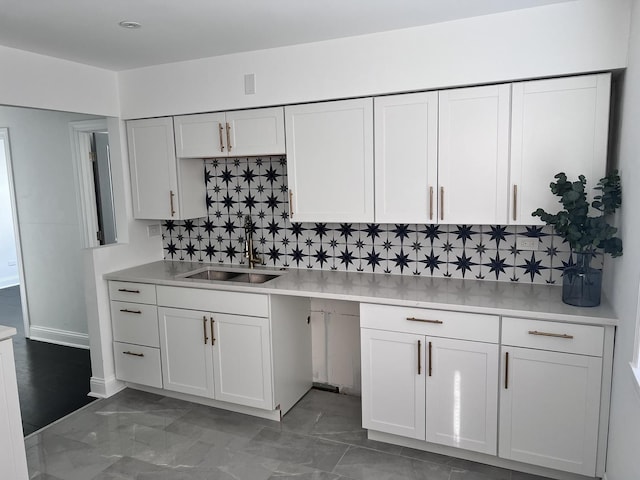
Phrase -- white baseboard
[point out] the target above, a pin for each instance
(9, 282)
(105, 388)
(59, 337)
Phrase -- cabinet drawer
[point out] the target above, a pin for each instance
(135, 323)
(132, 292)
(559, 337)
(437, 323)
(138, 364)
(252, 304)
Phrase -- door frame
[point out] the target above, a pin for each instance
(4, 135)
(80, 133)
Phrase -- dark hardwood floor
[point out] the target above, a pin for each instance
(53, 380)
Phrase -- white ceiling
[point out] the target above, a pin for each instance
(87, 31)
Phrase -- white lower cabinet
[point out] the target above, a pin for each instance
(215, 355)
(550, 400)
(185, 346)
(462, 394)
(421, 386)
(393, 393)
(244, 349)
(242, 360)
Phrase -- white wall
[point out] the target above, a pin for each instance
(8, 258)
(48, 221)
(581, 36)
(624, 277)
(137, 249)
(33, 80)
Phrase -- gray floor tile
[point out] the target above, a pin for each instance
(526, 476)
(141, 436)
(66, 459)
(465, 469)
(131, 469)
(296, 448)
(364, 464)
(425, 456)
(300, 472)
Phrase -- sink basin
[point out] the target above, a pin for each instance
(214, 274)
(253, 277)
(211, 275)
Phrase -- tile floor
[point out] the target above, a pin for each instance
(53, 380)
(136, 435)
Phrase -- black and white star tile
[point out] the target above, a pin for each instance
(258, 187)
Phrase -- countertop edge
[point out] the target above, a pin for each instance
(6, 332)
(582, 315)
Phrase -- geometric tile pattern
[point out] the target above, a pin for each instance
(258, 187)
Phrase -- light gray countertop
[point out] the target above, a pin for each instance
(543, 302)
(6, 332)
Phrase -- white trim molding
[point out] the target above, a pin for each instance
(4, 135)
(105, 387)
(85, 189)
(60, 337)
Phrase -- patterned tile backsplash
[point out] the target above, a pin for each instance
(258, 186)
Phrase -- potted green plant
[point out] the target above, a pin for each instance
(587, 235)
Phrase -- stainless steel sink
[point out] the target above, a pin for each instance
(217, 275)
(253, 277)
(212, 275)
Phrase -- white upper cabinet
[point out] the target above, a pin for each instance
(255, 132)
(330, 161)
(558, 125)
(473, 155)
(240, 133)
(406, 158)
(200, 136)
(162, 186)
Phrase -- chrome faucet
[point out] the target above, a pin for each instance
(248, 243)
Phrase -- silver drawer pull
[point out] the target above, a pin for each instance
(547, 334)
(128, 291)
(126, 310)
(134, 354)
(413, 319)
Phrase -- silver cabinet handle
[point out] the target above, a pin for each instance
(547, 334)
(506, 370)
(220, 127)
(430, 203)
(204, 329)
(424, 320)
(228, 138)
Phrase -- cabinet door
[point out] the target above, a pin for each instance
(185, 349)
(559, 125)
(255, 132)
(152, 161)
(393, 382)
(549, 407)
(473, 155)
(200, 136)
(330, 161)
(242, 360)
(462, 394)
(406, 158)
